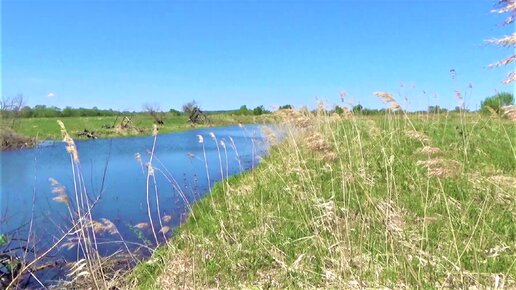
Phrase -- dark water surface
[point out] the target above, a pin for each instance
(112, 171)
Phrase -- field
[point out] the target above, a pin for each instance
(346, 202)
(48, 129)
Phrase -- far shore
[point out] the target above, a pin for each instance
(29, 132)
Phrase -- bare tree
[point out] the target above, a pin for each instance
(10, 113)
(10, 110)
(155, 112)
(189, 107)
(194, 112)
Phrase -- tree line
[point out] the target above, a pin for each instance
(16, 108)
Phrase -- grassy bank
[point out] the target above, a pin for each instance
(421, 202)
(47, 128)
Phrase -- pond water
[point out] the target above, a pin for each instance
(115, 170)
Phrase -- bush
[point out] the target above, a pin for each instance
(244, 111)
(260, 110)
(496, 102)
(174, 112)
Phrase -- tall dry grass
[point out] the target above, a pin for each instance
(350, 202)
(506, 7)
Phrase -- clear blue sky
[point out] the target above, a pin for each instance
(121, 54)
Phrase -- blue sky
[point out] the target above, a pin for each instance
(122, 54)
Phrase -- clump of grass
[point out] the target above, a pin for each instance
(509, 112)
(392, 207)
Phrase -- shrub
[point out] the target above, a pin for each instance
(496, 102)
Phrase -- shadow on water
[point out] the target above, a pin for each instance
(34, 215)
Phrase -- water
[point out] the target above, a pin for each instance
(112, 173)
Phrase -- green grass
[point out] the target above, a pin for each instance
(47, 128)
(356, 205)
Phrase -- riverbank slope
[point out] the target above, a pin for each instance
(399, 201)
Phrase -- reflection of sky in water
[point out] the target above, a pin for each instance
(179, 156)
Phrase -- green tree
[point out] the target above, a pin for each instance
(243, 110)
(174, 112)
(26, 112)
(496, 102)
(68, 112)
(358, 108)
(260, 110)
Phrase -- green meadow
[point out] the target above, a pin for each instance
(141, 124)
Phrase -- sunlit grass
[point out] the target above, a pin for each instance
(398, 201)
(47, 129)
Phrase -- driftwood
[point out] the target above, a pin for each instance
(10, 140)
(197, 116)
(88, 134)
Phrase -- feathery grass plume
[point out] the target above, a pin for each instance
(458, 95)
(419, 136)
(511, 77)
(61, 198)
(155, 130)
(343, 95)
(384, 96)
(389, 99)
(334, 117)
(109, 226)
(509, 112)
(347, 113)
(59, 190)
(70, 144)
(442, 168)
(504, 62)
(321, 108)
(104, 226)
(510, 6)
(96, 226)
(142, 226)
(393, 218)
(150, 168)
(460, 99)
(429, 150)
(503, 181)
(295, 118)
(373, 129)
(394, 106)
(508, 40)
(200, 139)
(190, 155)
(79, 269)
(316, 142)
(53, 182)
(167, 218)
(507, 6)
(270, 135)
(164, 230)
(138, 157)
